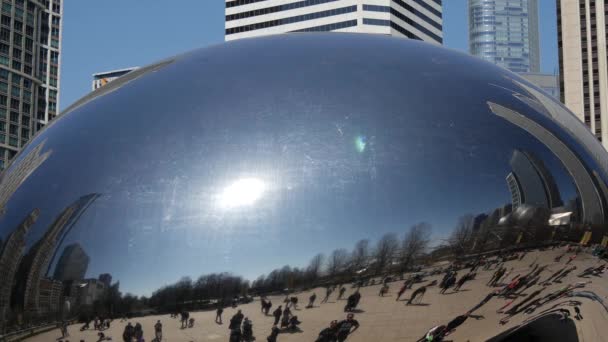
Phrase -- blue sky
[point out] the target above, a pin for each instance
(114, 34)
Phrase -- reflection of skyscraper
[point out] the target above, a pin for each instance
(592, 209)
(105, 278)
(11, 181)
(36, 262)
(531, 183)
(10, 257)
(72, 264)
(515, 190)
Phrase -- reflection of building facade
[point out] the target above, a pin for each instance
(103, 78)
(582, 34)
(515, 190)
(547, 82)
(72, 264)
(106, 278)
(591, 201)
(10, 257)
(35, 264)
(10, 182)
(50, 294)
(531, 183)
(420, 19)
(505, 33)
(91, 290)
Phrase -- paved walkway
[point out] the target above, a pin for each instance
(383, 318)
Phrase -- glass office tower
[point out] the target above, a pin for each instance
(505, 32)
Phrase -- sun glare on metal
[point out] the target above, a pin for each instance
(241, 193)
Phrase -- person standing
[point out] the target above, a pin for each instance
(158, 330)
(346, 327)
(235, 321)
(127, 334)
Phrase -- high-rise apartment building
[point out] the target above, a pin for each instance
(30, 48)
(505, 32)
(582, 38)
(415, 19)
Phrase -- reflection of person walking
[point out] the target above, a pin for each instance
(277, 315)
(419, 292)
(328, 334)
(218, 315)
(341, 293)
(346, 327)
(401, 291)
(327, 294)
(311, 300)
(158, 331)
(274, 332)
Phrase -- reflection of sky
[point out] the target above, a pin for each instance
(344, 154)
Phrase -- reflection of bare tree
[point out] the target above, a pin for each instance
(337, 262)
(386, 248)
(462, 234)
(360, 255)
(314, 267)
(414, 243)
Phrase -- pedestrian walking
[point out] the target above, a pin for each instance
(218, 314)
(235, 321)
(329, 334)
(401, 291)
(127, 334)
(311, 300)
(341, 293)
(418, 293)
(328, 292)
(277, 315)
(274, 332)
(158, 330)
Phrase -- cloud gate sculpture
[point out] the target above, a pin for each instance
(256, 173)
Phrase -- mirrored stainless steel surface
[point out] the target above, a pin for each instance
(202, 177)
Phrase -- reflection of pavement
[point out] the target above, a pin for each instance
(382, 319)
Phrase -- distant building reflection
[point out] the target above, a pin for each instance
(34, 293)
(10, 258)
(591, 202)
(11, 181)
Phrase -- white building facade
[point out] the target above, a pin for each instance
(583, 61)
(414, 19)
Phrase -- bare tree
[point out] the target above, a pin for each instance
(385, 251)
(314, 267)
(337, 261)
(414, 243)
(360, 255)
(462, 234)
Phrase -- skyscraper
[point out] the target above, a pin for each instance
(30, 47)
(72, 264)
(505, 32)
(415, 19)
(582, 36)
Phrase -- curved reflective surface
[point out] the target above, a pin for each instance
(282, 165)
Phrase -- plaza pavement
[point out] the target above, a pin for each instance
(382, 318)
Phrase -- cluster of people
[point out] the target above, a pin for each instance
(98, 324)
(339, 331)
(241, 328)
(133, 333)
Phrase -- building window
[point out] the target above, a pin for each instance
(16, 91)
(55, 43)
(16, 53)
(18, 26)
(15, 117)
(13, 129)
(13, 141)
(25, 121)
(5, 20)
(15, 104)
(6, 7)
